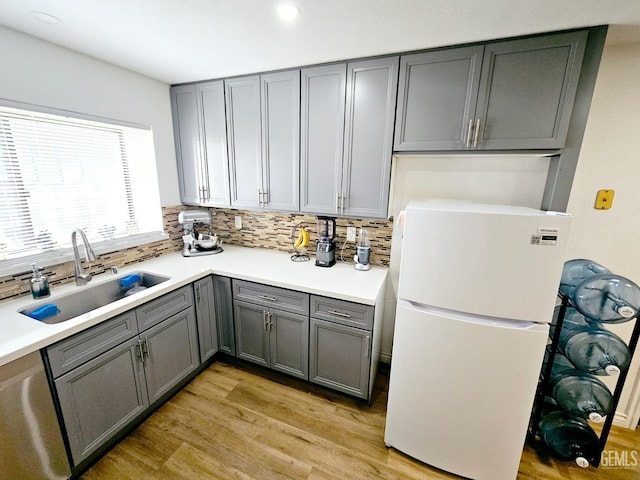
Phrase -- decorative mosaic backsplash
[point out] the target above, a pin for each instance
(274, 230)
(259, 229)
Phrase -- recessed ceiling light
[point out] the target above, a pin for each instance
(288, 11)
(46, 17)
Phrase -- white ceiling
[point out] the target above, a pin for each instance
(178, 41)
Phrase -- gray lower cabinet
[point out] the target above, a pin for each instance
(107, 376)
(339, 357)
(347, 137)
(272, 338)
(205, 306)
(101, 397)
(514, 94)
(201, 146)
(223, 302)
(341, 346)
(272, 327)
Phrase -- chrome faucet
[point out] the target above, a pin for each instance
(82, 278)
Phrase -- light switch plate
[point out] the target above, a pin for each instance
(351, 234)
(238, 221)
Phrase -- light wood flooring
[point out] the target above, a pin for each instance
(237, 422)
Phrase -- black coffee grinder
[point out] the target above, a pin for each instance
(326, 247)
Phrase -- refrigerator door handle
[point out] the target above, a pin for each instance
(479, 319)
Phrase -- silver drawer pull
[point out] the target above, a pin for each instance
(339, 314)
(271, 299)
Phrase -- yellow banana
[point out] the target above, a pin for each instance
(305, 239)
(300, 239)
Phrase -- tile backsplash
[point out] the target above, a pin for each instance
(259, 230)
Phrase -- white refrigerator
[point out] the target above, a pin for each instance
(476, 293)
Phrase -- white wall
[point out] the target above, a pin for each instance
(41, 73)
(610, 159)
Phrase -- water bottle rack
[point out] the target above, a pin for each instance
(543, 386)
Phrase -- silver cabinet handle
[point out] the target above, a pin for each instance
(469, 130)
(145, 347)
(342, 203)
(198, 293)
(260, 202)
(264, 319)
(140, 351)
(339, 314)
(337, 202)
(270, 315)
(367, 346)
(475, 136)
(265, 198)
(265, 297)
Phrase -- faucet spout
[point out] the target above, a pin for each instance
(82, 278)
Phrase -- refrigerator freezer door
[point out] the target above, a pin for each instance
(498, 261)
(461, 390)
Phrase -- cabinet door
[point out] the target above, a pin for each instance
(171, 353)
(322, 135)
(437, 98)
(214, 143)
(339, 357)
(223, 303)
(289, 343)
(368, 138)
(101, 397)
(184, 108)
(206, 317)
(280, 102)
(243, 137)
(252, 336)
(527, 91)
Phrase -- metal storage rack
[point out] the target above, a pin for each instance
(544, 384)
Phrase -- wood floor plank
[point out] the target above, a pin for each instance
(236, 421)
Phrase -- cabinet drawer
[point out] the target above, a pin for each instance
(161, 308)
(342, 312)
(280, 298)
(72, 352)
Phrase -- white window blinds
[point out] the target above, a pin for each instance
(59, 173)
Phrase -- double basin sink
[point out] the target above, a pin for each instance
(91, 297)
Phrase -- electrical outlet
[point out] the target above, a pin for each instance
(238, 221)
(351, 234)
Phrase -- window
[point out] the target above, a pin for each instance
(61, 172)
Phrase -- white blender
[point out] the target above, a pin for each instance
(363, 250)
(197, 238)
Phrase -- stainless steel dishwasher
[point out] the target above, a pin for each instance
(32, 446)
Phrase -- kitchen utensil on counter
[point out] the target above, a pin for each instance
(198, 239)
(363, 250)
(326, 246)
(300, 241)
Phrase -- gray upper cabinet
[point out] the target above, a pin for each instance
(527, 90)
(244, 141)
(322, 135)
(368, 138)
(521, 97)
(187, 139)
(347, 137)
(263, 118)
(280, 108)
(437, 98)
(213, 131)
(201, 148)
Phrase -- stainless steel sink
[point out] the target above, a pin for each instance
(88, 298)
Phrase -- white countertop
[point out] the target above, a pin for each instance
(21, 335)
